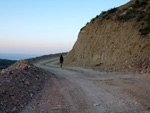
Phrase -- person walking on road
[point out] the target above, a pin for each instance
(61, 60)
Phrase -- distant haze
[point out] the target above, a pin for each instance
(17, 56)
(46, 26)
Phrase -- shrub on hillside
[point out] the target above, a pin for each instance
(147, 18)
(103, 12)
(112, 10)
(87, 23)
(93, 20)
(137, 2)
(131, 13)
(124, 17)
(143, 3)
(140, 3)
(140, 17)
(97, 16)
(108, 14)
(145, 30)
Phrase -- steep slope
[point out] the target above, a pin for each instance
(114, 38)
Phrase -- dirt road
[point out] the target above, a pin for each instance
(80, 90)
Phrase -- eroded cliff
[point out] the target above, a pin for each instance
(114, 38)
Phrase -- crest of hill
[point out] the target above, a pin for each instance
(115, 38)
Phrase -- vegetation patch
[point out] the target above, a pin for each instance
(139, 11)
(93, 20)
(145, 30)
(140, 17)
(103, 12)
(147, 18)
(113, 10)
(131, 13)
(125, 17)
(108, 14)
(6, 63)
(140, 3)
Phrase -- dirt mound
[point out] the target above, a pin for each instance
(18, 85)
(115, 38)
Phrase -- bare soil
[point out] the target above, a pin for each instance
(82, 90)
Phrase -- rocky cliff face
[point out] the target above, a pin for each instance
(114, 38)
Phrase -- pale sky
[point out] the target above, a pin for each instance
(46, 26)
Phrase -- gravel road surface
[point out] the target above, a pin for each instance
(82, 90)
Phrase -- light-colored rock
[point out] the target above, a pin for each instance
(3, 71)
(27, 83)
(96, 104)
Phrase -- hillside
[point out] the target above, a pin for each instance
(6, 63)
(115, 38)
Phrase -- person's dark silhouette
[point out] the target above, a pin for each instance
(61, 60)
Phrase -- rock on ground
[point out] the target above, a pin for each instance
(18, 85)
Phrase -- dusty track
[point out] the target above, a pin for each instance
(80, 90)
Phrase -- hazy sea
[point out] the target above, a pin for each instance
(17, 56)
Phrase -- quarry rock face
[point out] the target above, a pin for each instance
(113, 39)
